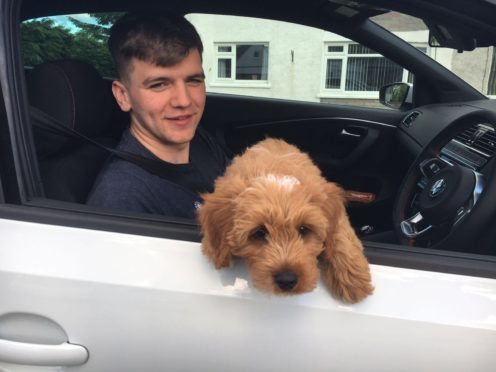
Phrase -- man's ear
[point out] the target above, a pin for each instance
(121, 95)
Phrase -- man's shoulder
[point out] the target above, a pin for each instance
(207, 151)
(120, 174)
(126, 186)
(120, 183)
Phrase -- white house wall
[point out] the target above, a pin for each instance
(296, 57)
(300, 78)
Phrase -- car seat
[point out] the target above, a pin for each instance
(74, 94)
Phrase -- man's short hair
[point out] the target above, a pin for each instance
(164, 39)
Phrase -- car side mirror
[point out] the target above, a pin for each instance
(396, 95)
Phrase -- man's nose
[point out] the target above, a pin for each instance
(181, 95)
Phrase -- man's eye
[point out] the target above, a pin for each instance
(260, 234)
(157, 86)
(196, 81)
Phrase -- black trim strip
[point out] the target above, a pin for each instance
(80, 216)
(426, 259)
(319, 119)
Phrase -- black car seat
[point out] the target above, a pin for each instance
(76, 95)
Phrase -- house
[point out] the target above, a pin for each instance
(266, 58)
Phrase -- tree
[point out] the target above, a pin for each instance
(106, 19)
(45, 40)
(100, 29)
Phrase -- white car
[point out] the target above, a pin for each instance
(89, 289)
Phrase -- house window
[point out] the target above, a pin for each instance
(333, 73)
(242, 62)
(358, 70)
(491, 85)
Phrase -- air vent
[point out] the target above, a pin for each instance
(480, 137)
(410, 118)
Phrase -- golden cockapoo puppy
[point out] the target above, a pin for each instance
(273, 208)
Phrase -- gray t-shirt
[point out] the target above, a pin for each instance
(122, 185)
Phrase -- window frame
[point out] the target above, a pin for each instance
(52, 212)
(232, 81)
(344, 56)
(491, 81)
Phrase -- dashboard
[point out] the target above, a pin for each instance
(461, 133)
(436, 197)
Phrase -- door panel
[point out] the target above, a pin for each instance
(355, 147)
(147, 304)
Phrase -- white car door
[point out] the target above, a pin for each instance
(84, 300)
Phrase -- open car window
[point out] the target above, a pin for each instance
(257, 58)
(476, 67)
(312, 87)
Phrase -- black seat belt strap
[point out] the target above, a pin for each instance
(156, 167)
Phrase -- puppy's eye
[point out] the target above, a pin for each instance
(260, 234)
(303, 231)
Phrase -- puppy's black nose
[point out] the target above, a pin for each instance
(286, 280)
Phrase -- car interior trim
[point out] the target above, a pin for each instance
(337, 119)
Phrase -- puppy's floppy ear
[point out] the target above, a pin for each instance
(344, 266)
(216, 220)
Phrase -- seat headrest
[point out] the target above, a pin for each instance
(73, 92)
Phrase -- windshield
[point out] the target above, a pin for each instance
(476, 67)
(270, 59)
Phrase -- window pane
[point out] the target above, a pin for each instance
(251, 62)
(224, 68)
(334, 49)
(333, 74)
(491, 85)
(224, 49)
(66, 37)
(370, 74)
(359, 49)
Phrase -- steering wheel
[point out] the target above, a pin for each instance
(441, 201)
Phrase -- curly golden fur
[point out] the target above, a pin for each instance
(273, 208)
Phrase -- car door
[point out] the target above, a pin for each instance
(353, 146)
(88, 300)
(314, 89)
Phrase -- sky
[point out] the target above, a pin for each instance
(65, 22)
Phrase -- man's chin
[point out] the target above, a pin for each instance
(178, 141)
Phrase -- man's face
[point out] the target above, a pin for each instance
(166, 103)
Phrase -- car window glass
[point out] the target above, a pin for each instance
(273, 59)
(477, 67)
(3, 141)
(79, 36)
(262, 58)
(268, 58)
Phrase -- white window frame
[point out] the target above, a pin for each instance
(232, 81)
(492, 71)
(341, 92)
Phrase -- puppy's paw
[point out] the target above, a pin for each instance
(351, 281)
(351, 288)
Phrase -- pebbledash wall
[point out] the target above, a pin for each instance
(297, 57)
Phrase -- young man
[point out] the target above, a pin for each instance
(162, 85)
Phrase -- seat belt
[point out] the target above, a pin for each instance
(159, 168)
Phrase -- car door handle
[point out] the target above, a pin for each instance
(353, 131)
(65, 354)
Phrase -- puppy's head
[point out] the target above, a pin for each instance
(276, 223)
